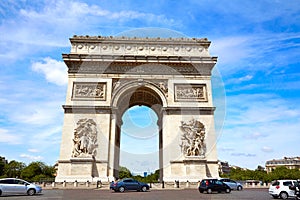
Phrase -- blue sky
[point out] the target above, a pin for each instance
(257, 44)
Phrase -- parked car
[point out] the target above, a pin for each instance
(129, 184)
(10, 186)
(281, 188)
(213, 185)
(232, 184)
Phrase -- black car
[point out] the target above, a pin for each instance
(129, 184)
(213, 185)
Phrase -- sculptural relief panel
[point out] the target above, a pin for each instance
(162, 84)
(190, 92)
(192, 138)
(88, 91)
(85, 139)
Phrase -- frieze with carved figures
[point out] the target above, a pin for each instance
(87, 91)
(190, 92)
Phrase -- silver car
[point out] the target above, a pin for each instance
(232, 184)
(9, 186)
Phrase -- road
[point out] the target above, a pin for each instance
(187, 194)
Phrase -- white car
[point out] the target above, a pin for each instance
(9, 186)
(280, 188)
(232, 184)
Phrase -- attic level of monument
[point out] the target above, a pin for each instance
(113, 55)
(161, 40)
(140, 46)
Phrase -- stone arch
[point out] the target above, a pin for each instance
(131, 86)
(131, 94)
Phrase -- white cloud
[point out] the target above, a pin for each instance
(231, 49)
(33, 150)
(10, 138)
(50, 24)
(249, 109)
(252, 53)
(243, 154)
(245, 78)
(31, 157)
(255, 136)
(256, 124)
(54, 71)
(38, 113)
(267, 149)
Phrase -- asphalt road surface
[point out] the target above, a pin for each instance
(187, 194)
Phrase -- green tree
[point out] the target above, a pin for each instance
(36, 171)
(32, 170)
(124, 172)
(2, 165)
(14, 168)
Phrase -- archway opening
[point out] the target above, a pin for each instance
(139, 112)
(139, 140)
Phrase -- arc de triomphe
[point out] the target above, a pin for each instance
(108, 75)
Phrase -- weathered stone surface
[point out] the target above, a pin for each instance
(108, 75)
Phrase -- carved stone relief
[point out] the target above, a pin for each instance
(162, 84)
(190, 92)
(85, 139)
(192, 138)
(89, 91)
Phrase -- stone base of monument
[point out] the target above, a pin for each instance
(81, 170)
(192, 169)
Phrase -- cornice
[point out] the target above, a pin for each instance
(87, 109)
(104, 64)
(99, 38)
(139, 58)
(190, 110)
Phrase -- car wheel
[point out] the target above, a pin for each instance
(209, 191)
(228, 190)
(239, 188)
(0, 192)
(121, 189)
(284, 195)
(144, 189)
(31, 192)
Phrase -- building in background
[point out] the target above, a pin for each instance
(288, 162)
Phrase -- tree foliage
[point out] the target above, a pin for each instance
(260, 174)
(124, 173)
(2, 165)
(13, 169)
(34, 172)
